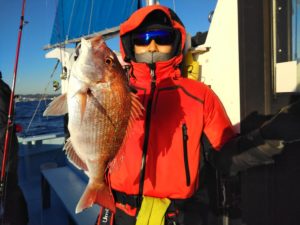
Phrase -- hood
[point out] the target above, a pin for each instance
(136, 19)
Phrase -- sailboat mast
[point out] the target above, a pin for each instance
(151, 2)
(11, 102)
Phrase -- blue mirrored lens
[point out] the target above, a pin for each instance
(161, 37)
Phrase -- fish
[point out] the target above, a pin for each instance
(100, 107)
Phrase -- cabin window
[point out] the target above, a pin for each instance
(286, 40)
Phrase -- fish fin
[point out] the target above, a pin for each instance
(57, 107)
(83, 100)
(87, 199)
(106, 199)
(73, 157)
(137, 109)
(94, 194)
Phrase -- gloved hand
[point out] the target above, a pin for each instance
(285, 125)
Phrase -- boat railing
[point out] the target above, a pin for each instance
(29, 145)
(41, 139)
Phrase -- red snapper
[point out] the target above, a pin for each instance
(100, 107)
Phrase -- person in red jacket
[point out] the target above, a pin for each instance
(161, 157)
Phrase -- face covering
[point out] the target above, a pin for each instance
(152, 57)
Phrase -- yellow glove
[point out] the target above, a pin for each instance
(153, 211)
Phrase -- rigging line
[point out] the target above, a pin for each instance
(134, 2)
(42, 97)
(76, 54)
(71, 18)
(59, 27)
(63, 46)
(91, 15)
(61, 51)
(174, 6)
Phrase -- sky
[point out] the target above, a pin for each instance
(34, 70)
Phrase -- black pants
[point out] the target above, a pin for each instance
(121, 218)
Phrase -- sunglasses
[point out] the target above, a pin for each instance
(161, 37)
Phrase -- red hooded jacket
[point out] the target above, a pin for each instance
(166, 141)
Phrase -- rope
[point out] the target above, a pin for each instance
(44, 94)
(55, 67)
(91, 15)
(174, 6)
(71, 17)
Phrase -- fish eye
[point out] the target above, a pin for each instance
(109, 61)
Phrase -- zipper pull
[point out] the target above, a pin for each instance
(153, 80)
(152, 74)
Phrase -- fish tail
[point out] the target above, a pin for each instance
(91, 195)
(106, 199)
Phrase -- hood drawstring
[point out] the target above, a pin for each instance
(130, 74)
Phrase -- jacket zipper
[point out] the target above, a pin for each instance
(185, 154)
(147, 130)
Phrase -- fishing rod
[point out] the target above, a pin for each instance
(11, 103)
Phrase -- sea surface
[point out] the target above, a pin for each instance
(30, 116)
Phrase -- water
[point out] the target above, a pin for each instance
(24, 112)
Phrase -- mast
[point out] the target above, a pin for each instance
(151, 2)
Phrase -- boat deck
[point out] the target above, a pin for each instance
(37, 154)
